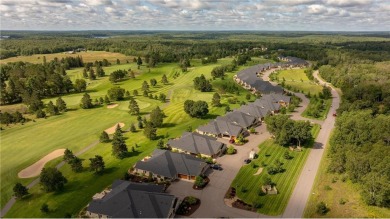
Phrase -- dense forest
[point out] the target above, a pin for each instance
(359, 64)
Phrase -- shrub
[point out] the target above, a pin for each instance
(199, 182)
(322, 209)
(257, 205)
(230, 150)
(44, 208)
(191, 200)
(342, 201)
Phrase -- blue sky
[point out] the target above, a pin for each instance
(307, 15)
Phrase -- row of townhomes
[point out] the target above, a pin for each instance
(249, 79)
(183, 160)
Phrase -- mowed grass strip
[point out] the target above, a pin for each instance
(248, 185)
(297, 79)
(79, 128)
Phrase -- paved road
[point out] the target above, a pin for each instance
(301, 193)
(12, 201)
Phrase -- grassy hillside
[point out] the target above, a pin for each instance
(79, 128)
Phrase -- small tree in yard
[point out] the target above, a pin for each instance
(119, 147)
(156, 117)
(230, 150)
(160, 144)
(248, 96)
(61, 105)
(322, 209)
(164, 79)
(52, 179)
(20, 190)
(199, 182)
(104, 137)
(97, 164)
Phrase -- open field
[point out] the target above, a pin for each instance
(330, 189)
(248, 183)
(79, 128)
(89, 56)
(297, 80)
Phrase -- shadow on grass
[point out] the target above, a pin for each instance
(168, 125)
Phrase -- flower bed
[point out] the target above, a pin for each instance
(189, 205)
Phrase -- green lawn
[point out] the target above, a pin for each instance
(296, 79)
(248, 185)
(354, 206)
(22, 145)
(322, 113)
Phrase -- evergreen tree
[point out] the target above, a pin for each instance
(127, 94)
(153, 82)
(162, 97)
(91, 74)
(99, 71)
(145, 93)
(132, 128)
(76, 164)
(86, 101)
(20, 190)
(52, 179)
(139, 61)
(97, 164)
(104, 137)
(150, 131)
(216, 101)
(80, 85)
(52, 109)
(68, 155)
(61, 105)
(101, 100)
(40, 114)
(85, 74)
(119, 147)
(160, 144)
(156, 117)
(164, 79)
(135, 93)
(145, 86)
(133, 107)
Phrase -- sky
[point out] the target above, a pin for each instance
(274, 15)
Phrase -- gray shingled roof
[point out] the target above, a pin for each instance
(197, 143)
(265, 87)
(254, 110)
(134, 200)
(267, 104)
(218, 127)
(277, 97)
(168, 164)
(239, 118)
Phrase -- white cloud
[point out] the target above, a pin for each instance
(196, 14)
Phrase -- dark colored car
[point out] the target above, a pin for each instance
(247, 161)
(216, 167)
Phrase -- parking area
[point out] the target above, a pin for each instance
(212, 196)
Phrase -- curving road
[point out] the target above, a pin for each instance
(300, 195)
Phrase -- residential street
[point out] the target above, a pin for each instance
(300, 196)
(212, 197)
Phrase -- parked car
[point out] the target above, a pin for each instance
(247, 161)
(216, 167)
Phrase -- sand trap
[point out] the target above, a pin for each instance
(112, 129)
(35, 169)
(112, 106)
(259, 171)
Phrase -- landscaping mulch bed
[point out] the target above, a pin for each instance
(231, 193)
(242, 205)
(186, 209)
(206, 180)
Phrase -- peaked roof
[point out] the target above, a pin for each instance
(169, 164)
(254, 110)
(267, 104)
(197, 143)
(239, 118)
(276, 97)
(133, 200)
(265, 87)
(220, 126)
